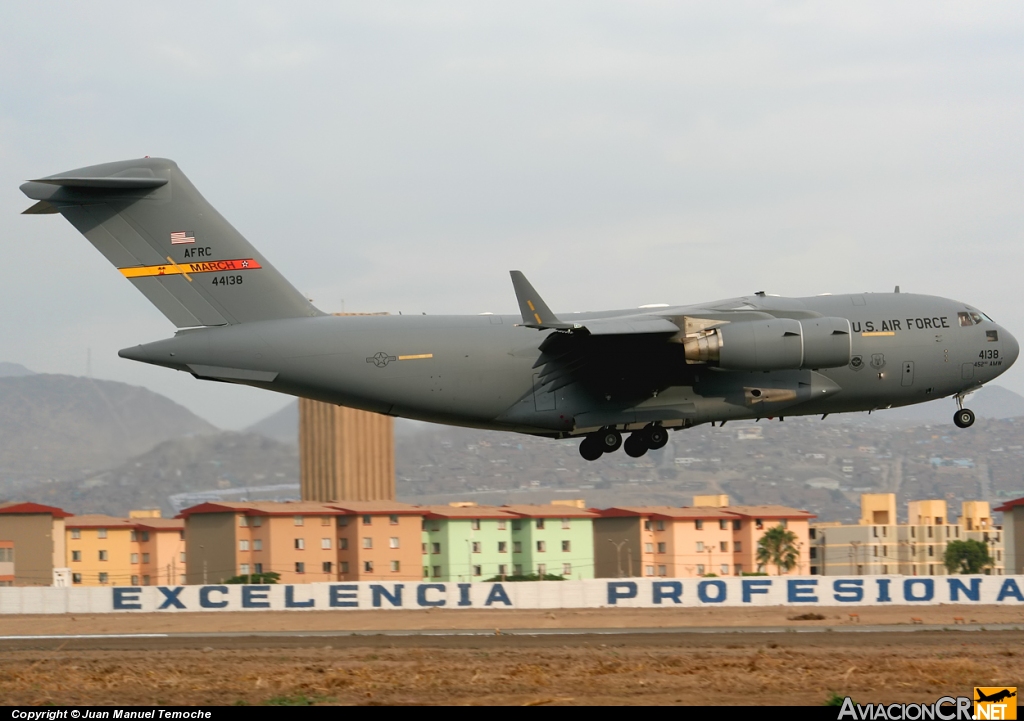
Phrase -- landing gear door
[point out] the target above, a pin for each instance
(907, 379)
(543, 400)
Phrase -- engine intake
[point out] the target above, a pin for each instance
(775, 344)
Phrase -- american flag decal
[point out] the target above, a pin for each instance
(182, 238)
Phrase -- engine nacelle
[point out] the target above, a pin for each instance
(774, 344)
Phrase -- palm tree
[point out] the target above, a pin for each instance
(778, 547)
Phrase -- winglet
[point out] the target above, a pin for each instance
(536, 313)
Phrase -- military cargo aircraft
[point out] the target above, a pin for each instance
(600, 376)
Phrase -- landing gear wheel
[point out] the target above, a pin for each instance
(590, 449)
(657, 437)
(609, 440)
(963, 418)
(636, 445)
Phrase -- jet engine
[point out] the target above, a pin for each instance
(773, 344)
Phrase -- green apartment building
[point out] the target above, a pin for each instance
(474, 543)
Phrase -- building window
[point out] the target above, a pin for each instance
(76, 578)
(661, 547)
(648, 548)
(540, 524)
(327, 566)
(502, 547)
(145, 536)
(874, 531)
(395, 566)
(475, 524)
(76, 533)
(476, 546)
(885, 570)
(700, 546)
(325, 520)
(759, 524)
(659, 525)
(300, 543)
(393, 542)
(435, 547)
(502, 569)
(243, 545)
(367, 542)
(325, 543)
(342, 521)
(75, 556)
(437, 572)
(478, 570)
(103, 555)
(700, 569)
(393, 520)
(299, 521)
(135, 580)
(542, 569)
(565, 524)
(517, 546)
(737, 525)
(737, 546)
(784, 522)
(929, 531)
(566, 569)
(135, 558)
(517, 525)
(501, 525)
(257, 545)
(343, 544)
(103, 578)
(368, 566)
(541, 547)
(724, 545)
(647, 524)
(243, 521)
(566, 546)
(738, 569)
(257, 521)
(723, 524)
(813, 553)
(134, 536)
(367, 520)
(931, 552)
(182, 556)
(517, 569)
(698, 525)
(145, 558)
(258, 568)
(725, 569)
(300, 567)
(102, 532)
(244, 569)
(343, 566)
(649, 570)
(662, 570)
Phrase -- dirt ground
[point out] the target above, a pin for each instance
(677, 667)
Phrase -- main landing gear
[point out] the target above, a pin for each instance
(608, 440)
(964, 417)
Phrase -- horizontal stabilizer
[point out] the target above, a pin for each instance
(109, 183)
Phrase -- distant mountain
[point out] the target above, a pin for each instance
(989, 402)
(8, 370)
(281, 426)
(62, 427)
(221, 461)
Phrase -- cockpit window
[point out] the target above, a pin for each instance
(965, 319)
(985, 316)
(976, 317)
(992, 336)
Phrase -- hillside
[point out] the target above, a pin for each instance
(63, 427)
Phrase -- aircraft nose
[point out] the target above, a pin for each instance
(1011, 348)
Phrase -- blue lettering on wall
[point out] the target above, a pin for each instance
(126, 598)
(801, 591)
(421, 594)
(670, 590)
(379, 592)
(343, 596)
(703, 595)
(204, 596)
(883, 590)
(464, 594)
(290, 602)
(956, 586)
(929, 589)
(750, 587)
(620, 589)
(497, 594)
(172, 597)
(848, 590)
(1009, 588)
(255, 597)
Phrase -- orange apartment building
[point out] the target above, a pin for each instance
(691, 541)
(141, 550)
(304, 541)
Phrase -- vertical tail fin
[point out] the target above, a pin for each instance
(154, 226)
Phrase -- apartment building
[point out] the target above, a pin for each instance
(556, 538)
(667, 541)
(37, 533)
(1013, 535)
(303, 542)
(916, 548)
(141, 550)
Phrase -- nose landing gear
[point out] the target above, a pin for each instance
(964, 417)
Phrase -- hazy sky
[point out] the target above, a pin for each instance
(405, 156)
